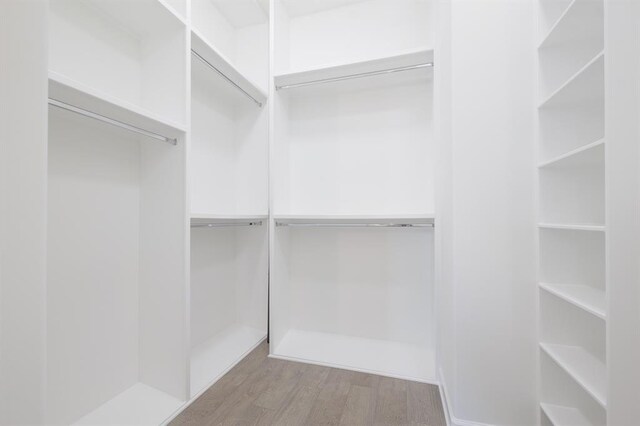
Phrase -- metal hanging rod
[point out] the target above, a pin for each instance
(95, 116)
(207, 63)
(359, 75)
(357, 225)
(228, 224)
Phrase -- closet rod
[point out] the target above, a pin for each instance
(221, 225)
(352, 76)
(95, 116)
(357, 225)
(207, 63)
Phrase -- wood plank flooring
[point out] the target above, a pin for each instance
(266, 391)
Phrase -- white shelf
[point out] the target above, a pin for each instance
(356, 219)
(587, 298)
(214, 57)
(572, 227)
(138, 405)
(587, 370)
(64, 89)
(580, 20)
(203, 218)
(588, 154)
(341, 71)
(213, 358)
(387, 358)
(564, 416)
(586, 84)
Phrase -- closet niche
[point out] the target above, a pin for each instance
(353, 186)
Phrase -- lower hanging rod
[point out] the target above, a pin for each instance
(357, 225)
(223, 75)
(95, 116)
(224, 225)
(359, 75)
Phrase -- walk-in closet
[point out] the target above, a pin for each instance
(314, 212)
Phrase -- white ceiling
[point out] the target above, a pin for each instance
(241, 13)
(304, 7)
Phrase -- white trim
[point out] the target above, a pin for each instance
(433, 381)
(452, 420)
(206, 388)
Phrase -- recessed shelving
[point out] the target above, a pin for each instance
(585, 297)
(585, 85)
(587, 370)
(564, 416)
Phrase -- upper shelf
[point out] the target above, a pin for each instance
(412, 60)
(336, 220)
(71, 92)
(204, 220)
(586, 84)
(219, 62)
(582, 19)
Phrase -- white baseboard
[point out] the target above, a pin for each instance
(452, 420)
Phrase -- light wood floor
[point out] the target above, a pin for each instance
(265, 391)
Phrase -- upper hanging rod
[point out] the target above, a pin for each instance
(225, 224)
(359, 75)
(95, 116)
(358, 225)
(207, 63)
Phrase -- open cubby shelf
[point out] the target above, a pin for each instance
(585, 297)
(564, 416)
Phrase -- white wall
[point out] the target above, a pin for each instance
(622, 39)
(23, 169)
(488, 276)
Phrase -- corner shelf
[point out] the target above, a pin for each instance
(585, 297)
(588, 371)
(564, 416)
(408, 60)
(584, 85)
(219, 61)
(67, 90)
(577, 20)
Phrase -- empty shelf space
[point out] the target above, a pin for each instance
(408, 61)
(586, 84)
(217, 355)
(395, 359)
(581, 19)
(217, 60)
(573, 227)
(590, 299)
(138, 405)
(588, 371)
(564, 416)
(71, 92)
(584, 155)
(336, 220)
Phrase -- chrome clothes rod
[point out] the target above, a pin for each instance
(224, 225)
(357, 225)
(95, 116)
(360, 75)
(207, 63)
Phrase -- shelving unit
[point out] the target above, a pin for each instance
(228, 168)
(352, 177)
(572, 222)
